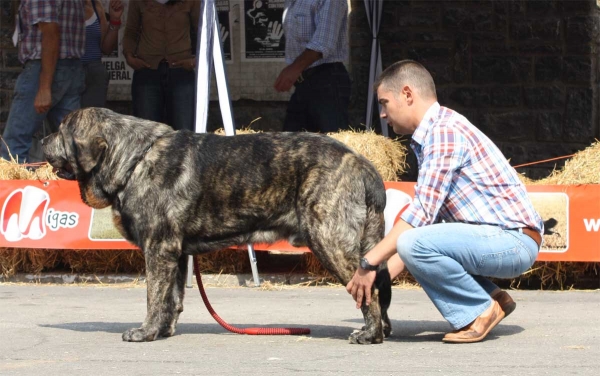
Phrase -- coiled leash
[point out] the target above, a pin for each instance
(252, 331)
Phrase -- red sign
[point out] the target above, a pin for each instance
(50, 214)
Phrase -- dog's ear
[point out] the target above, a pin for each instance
(89, 155)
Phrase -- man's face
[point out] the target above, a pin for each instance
(395, 109)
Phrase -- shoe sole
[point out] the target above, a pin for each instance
(481, 337)
(508, 308)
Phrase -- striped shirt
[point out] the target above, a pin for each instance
(70, 18)
(463, 177)
(318, 25)
(93, 39)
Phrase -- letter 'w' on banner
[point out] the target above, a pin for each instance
(208, 48)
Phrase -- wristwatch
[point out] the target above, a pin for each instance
(364, 264)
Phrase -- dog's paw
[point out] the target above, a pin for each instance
(363, 337)
(139, 335)
(387, 330)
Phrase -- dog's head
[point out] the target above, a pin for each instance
(98, 148)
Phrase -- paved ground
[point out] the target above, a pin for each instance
(76, 329)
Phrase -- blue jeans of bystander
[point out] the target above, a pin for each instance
(320, 102)
(166, 95)
(23, 121)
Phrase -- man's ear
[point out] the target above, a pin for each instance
(88, 156)
(408, 94)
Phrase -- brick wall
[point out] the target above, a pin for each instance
(525, 72)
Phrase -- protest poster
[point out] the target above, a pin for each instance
(262, 31)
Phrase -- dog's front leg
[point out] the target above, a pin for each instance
(164, 299)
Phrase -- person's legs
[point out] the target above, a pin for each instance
(330, 100)
(22, 121)
(67, 87)
(96, 85)
(450, 259)
(147, 95)
(296, 116)
(181, 95)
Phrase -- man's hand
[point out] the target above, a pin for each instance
(43, 100)
(360, 286)
(115, 10)
(136, 63)
(188, 64)
(286, 78)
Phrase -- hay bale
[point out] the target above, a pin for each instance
(582, 168)
(387, 155)
(11, 170)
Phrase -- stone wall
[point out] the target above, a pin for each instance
(525, 72)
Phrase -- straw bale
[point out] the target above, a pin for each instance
(387, 155)
(227, 261)
(11, 170)
(104, 261)
(582, 168)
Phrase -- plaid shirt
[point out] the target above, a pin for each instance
(67, 13)
(318, 25)
(463, 177)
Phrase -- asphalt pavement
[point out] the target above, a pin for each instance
(69, 329)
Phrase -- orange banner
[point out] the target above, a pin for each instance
(50, 214)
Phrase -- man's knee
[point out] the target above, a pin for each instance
(405, 245)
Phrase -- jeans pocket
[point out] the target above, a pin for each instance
(505, 264)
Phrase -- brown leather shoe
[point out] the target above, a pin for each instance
(478, 329)
(507, 304)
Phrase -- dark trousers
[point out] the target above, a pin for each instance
(166, 95)
(320, 102)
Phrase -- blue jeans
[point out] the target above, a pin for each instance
(96, 84)
(23, 122)
(321, 102)
(166, 95)
(452, 260)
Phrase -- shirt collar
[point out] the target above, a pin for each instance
(429, 118)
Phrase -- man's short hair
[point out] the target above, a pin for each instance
(407, 72)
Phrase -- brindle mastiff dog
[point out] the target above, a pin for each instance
(175, 194)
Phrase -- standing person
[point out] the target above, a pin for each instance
(158, 46)
(316, 46)
(51, 42)
(470, 218)
(101, 37)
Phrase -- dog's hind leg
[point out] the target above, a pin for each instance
(373, 233)
(164, 281)
(340, 258)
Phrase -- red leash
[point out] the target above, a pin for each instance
(254, 331)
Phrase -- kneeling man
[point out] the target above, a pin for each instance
(470, 218)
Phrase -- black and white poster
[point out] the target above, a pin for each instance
(223, 15)
(262, 31)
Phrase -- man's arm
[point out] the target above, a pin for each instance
(50, 51)
(360, 285)
(329, 26)
(290, 74)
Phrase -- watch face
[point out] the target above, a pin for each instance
(365, 264)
